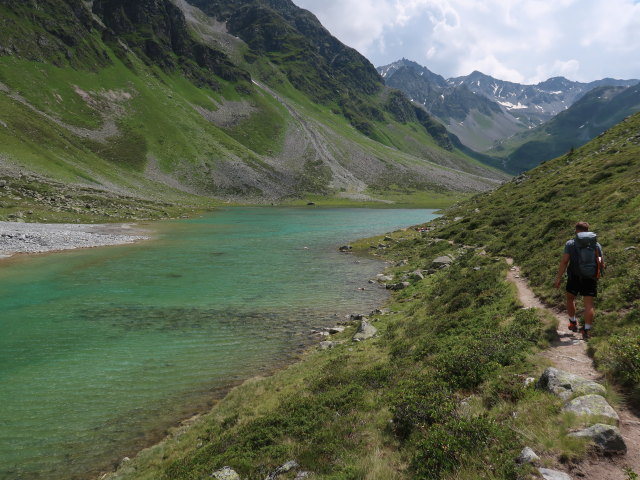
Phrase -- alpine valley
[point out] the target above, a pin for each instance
(250, 101)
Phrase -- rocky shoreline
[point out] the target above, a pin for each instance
(26, 238)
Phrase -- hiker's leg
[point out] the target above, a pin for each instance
(571, 305)
(589, 312)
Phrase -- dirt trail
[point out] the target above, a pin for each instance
(569, 352)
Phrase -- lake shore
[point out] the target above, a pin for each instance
(28, 238)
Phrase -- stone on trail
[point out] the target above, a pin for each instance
(606, 438)
(527, 456)
(564, 384)
(593, 406)
(225, 473)
(548, 474)
(365, 331)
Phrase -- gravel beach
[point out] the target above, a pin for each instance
(47, 237)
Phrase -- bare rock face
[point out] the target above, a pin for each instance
(606, 438)
(365, 331)
(592, 406)
(565, 384)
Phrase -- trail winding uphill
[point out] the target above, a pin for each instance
(569, 353)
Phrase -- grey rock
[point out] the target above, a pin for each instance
(565, 384)
(626, 249)
(365, 331)
(606, 438)
(548, 474)
(287, 467)
(225, 473)
(303, 475)
(441, 262)
(387, 238)
(592, 405)
(334, 330)
(397, 286)
(529, 381)
(527, 455)
(385, 278)
(402, 263)
(345, 248)
(3, 183)
(417, 275)
(327, 345)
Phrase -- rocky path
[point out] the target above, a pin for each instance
(569, 352)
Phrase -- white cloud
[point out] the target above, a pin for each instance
(518, 40)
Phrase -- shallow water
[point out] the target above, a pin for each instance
(102, 349)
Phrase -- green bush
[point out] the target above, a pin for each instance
(419, 403)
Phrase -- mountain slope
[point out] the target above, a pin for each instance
(594, 113)
(482, 110)
(152, 96)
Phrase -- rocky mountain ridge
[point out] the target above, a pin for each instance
(482, 110)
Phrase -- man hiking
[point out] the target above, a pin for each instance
(583, 256)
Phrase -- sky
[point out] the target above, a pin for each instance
(523, 41)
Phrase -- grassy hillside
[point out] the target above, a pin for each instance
(156, 98)
(531, 217)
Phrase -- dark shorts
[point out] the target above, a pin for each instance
(587, 287)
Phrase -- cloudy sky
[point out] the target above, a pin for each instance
(524, 41)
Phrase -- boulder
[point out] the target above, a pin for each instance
(385, 278)
(397, 286)
(527, 456)
(225, 473)
(565, 384)
(334, 330)
(287, 467)
(365, 331)
(548, 474)
(416, 276)
(327, 345)
(593, 406)
(441, 262)
(606, 438)
(345, 248)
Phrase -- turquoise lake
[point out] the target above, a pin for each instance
(102, 349)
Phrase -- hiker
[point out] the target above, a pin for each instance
(583, 256)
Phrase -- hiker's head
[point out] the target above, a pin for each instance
(582, 227)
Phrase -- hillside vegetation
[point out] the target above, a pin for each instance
(440, 392)
(532, 216)
(255, 102)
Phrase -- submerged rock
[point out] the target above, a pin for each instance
(606, 438)
(593, 406)
(565, 384)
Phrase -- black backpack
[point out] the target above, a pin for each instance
(588, 255)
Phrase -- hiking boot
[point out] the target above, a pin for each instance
(573, 326)
(586, 334)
